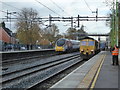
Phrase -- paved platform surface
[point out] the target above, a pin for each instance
(98, 72)
(108, 76)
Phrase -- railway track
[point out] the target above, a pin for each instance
(30, 76)
(22, 59)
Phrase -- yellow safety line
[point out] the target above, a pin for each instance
(96, 76)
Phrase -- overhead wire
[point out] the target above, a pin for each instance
(3, 11)
(36, 1)
(7, 12)
(44, 6)
(47, 7)
(10, 5)
(59, 7)
(88, 6)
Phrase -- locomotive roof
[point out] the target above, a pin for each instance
(67, 39)
(88, 38)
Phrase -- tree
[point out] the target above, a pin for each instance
(119, 24)
(113, 22)
(71, 33)
(51, 33)
(28, 30)
(81, 33)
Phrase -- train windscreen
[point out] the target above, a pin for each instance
(60, 42)
(83, 43)
(91, 43)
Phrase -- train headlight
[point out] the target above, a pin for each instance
(82, 50)
(92, 51)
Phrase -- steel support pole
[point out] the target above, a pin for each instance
(117, 22)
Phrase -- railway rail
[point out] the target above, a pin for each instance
(23, 59)
(13, 57)
(32, 75)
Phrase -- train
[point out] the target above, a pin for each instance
(102, 46)
(67, 45)
(88, 47)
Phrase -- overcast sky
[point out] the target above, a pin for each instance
(62, 8)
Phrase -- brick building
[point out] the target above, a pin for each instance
(6, 36)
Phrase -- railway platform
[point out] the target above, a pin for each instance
(98, 72)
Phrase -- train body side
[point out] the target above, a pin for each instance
(66, 45)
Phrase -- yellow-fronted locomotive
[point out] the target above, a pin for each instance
(88, 47)
(66, 45)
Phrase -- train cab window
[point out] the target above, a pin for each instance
(91, 43)
(83, 43)
(60, 42)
